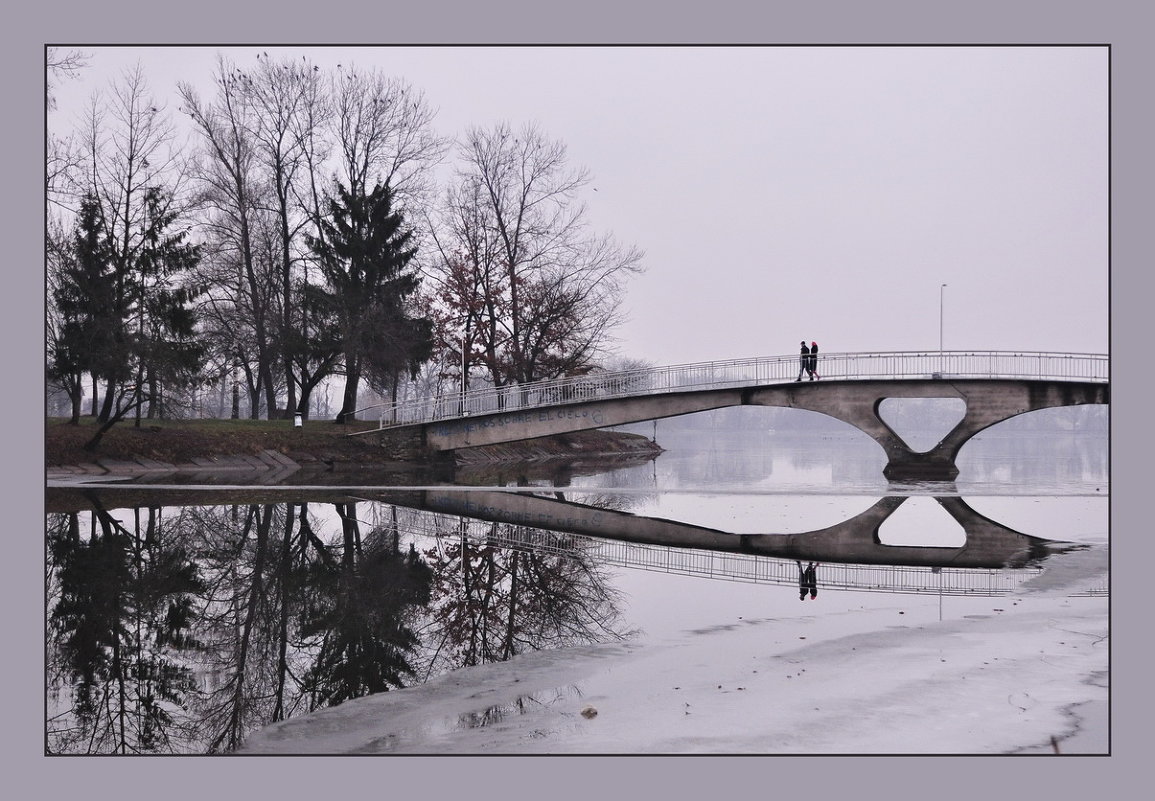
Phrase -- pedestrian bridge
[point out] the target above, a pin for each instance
(993, 386)
(993, 560)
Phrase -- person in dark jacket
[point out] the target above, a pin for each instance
(813, 368)
(807, 581)
(803, 361)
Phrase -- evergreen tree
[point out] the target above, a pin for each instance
(146, 337)
(82, 294)
(365, 255)
(167, 352)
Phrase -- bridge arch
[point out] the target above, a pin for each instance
(855, 402)
(987, 402)
(994, 386)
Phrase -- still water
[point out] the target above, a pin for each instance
(181, 623)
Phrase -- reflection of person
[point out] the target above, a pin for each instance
(807, 581)
(813, 368)
(803, 361)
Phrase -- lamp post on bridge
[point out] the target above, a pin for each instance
(941, 364)
(463, 369)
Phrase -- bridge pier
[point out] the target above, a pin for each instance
(911, 466)
(853, 401)
(987, 403)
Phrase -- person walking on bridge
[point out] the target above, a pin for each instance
(803, 361)
(813, 368)
(807, 581)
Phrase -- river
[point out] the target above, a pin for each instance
(187, 628)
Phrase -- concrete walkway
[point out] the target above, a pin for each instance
(268, 460)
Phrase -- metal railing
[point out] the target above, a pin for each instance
(726, 566)
(746, 373)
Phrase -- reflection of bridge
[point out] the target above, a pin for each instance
(987, 544)
(994, 386)
(731, 566)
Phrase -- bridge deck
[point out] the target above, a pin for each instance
(762, 371)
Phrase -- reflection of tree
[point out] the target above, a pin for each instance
(118, 630)
(358, 607)
(186, 630)
(492, 601)
(242, 611)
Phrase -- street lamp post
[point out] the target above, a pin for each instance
(940, 304)
(463, 369)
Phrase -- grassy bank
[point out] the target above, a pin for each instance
(181, 441)
(319, 441)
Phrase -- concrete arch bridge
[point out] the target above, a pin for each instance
(993, 385)
(993, 559)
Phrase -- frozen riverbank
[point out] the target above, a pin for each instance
(996, 675)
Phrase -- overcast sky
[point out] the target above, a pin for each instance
(783, 193)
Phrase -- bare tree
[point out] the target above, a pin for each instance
(234, 197)
(520, 269)
(60, 65)
(382, 128)
(133, 168)
(62, 156)
(288, 110)
(470, 282)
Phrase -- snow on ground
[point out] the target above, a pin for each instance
(841, 675)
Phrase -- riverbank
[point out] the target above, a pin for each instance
(162, 446)
(868, 674)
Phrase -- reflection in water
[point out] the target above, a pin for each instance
(496, 600)
(357, 608)
(181, 624)
(181, 629)
(987, 544)
(121, 602)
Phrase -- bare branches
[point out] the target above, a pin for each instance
(60, 65)
(522, 285)
(522, 273)
(383, 132)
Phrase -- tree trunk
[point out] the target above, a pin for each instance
(291, 390)
(154, 402)
(270, 389)
(508, 649)
(349, 400)
(76, 395)
(303, 402)
(93, 443)
(106, 408)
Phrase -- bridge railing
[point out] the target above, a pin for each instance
(745, 373)
(722, 565)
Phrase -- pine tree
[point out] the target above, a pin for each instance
(145, 340)
(365, 254)
(83, 296)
